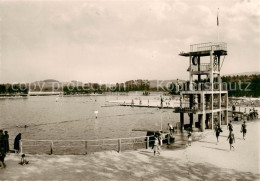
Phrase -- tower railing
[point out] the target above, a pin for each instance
(208, 46)
(201, 67)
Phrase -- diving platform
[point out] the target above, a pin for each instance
(204, 49)
(204, 100)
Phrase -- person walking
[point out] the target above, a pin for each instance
(243, 129)
(17, 142)
(218, 131)
(231, 139)
(230, 126)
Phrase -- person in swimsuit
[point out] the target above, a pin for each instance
(231, 139)
(218, 131)
(230, 126)
(243, 129)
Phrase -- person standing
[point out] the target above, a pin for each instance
(170, 127)
(231, 139)
(132, 103)
(6, 138)
(17, 142)
(161, 102)
(160, 140)
(2, 149)
(156, 145)
(243, 129)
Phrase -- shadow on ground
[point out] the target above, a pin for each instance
(140, 165)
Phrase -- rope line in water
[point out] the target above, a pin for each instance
(61, 122)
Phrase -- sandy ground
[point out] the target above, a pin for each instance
(203, 160)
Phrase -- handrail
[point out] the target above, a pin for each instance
(83, 140)
(208, 46)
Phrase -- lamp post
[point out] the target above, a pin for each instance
(96, 113)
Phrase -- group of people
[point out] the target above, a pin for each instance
(4, 146)
(231, 136)
(167, 101)
(158, 140)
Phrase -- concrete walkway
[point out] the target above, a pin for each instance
(204, 160)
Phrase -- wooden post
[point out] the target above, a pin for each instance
(212, 108)
(220, 108)
(147, 142)
(86, 147)
(191, 78)
(181, 121)
(51, 148)
(21, 146)
(119, 145)
(226, 107)
(202, 122)
(191, 108)
(211, 71)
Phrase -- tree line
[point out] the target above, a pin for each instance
(243, 85)
(13, 89)
(237, 86)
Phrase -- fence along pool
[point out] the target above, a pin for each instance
(77, 147)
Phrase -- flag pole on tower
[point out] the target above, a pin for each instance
(218, 25)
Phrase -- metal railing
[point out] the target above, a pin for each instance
(185, 107)
(208, 46)
(202, 67)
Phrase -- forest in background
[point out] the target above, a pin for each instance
(237, 86)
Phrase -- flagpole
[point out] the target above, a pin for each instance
(218, 26)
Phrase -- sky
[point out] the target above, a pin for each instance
(120, 40)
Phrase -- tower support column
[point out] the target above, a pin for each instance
(181, 121)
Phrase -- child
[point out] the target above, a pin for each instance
(156, 146)
(23, 160)
(189, 138)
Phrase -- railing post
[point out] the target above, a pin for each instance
(51, 148)
(119, 145)
(86, 147)
(147, 142)
(21, 146)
